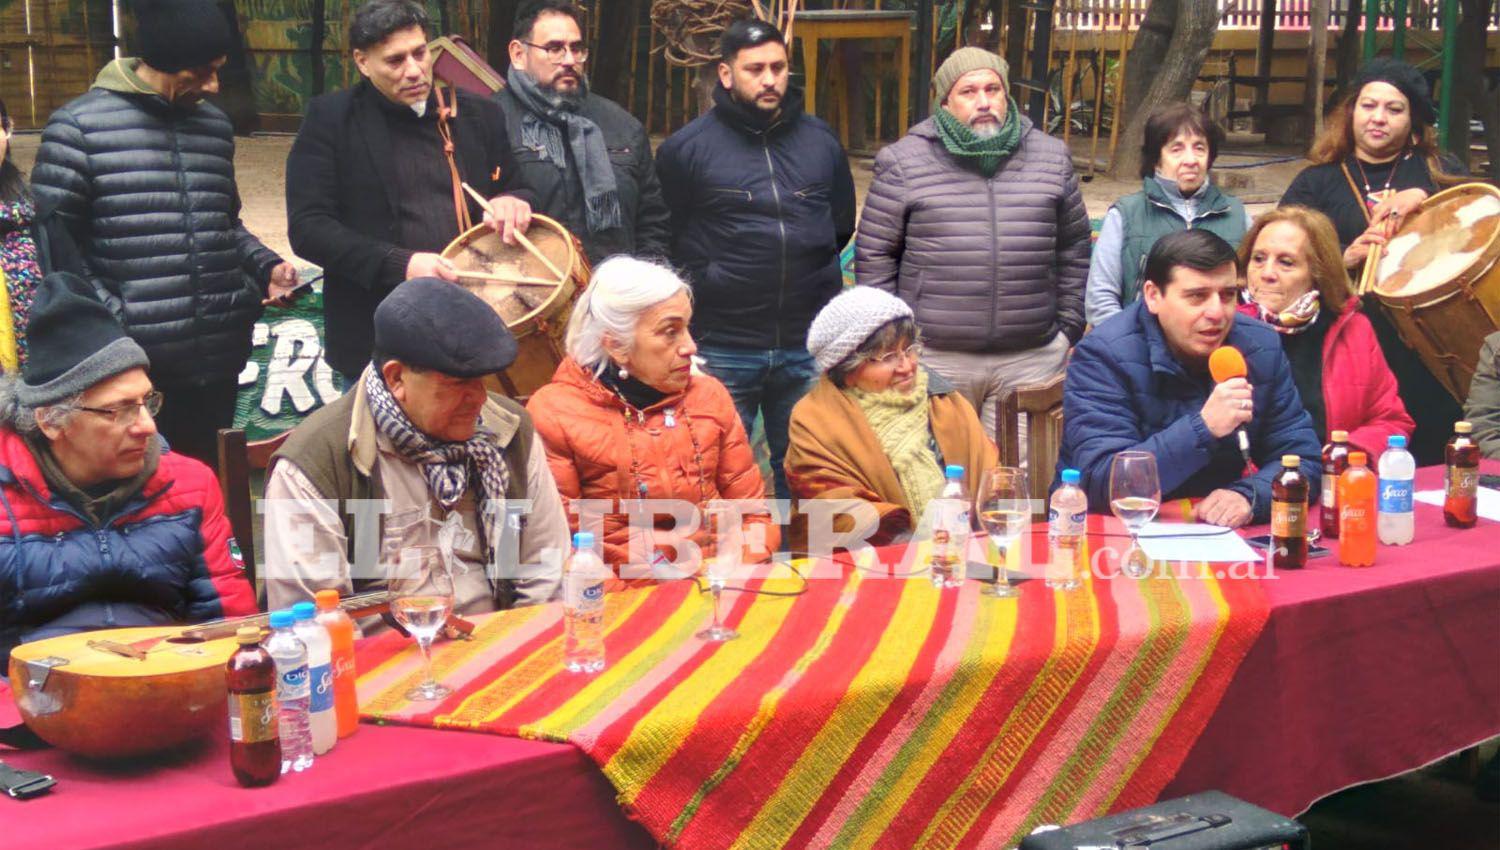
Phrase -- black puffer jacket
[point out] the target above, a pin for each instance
(759, 214)
(147, 190)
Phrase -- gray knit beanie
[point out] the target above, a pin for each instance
(962, 61)
(848, 320)
(73, 343)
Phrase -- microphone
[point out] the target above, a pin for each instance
(1227, 362)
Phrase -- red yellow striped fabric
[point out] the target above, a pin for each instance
(867, 712)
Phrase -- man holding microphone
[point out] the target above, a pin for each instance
(1141, 380)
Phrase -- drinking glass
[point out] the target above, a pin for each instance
(1134, 491)
(1003, 504)
(421, 600)
(717, 572)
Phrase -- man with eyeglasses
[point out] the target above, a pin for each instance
(100, 525)
(586, 160)
(140, 169)
(373, 181)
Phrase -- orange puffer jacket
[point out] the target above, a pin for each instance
(599, 448)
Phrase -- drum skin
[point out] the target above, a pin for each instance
(534, 302)
(1445, 321)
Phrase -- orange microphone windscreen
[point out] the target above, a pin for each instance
(1227, 362)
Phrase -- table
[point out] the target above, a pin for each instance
(850, 24)
(1357, 675)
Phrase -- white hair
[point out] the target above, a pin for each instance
(25, 419)
(621, 290)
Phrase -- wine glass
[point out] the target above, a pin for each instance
(1003, 504)
(1135, 497)
(1134, 490)
(421, 600)
(717, 570)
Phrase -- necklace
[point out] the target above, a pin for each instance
(1371, 196)
(670, 416)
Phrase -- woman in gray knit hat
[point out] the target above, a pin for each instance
(878, 427)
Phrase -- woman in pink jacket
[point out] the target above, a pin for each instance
(1296, 280)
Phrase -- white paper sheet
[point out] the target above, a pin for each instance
(1195, 541)
(1489, 501)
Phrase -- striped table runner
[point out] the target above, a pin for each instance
(866, 712)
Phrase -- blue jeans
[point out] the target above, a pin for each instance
(768, 382)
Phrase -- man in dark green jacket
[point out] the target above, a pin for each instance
(1483, 406)
(587, 161)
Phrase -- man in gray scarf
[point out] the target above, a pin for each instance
(587, 161)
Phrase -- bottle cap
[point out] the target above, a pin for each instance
(327, 599)
(1358, 458)
(304, 611)
(1340, 436)
(1291, 461)
(247, 635)
(1463, 426)
(583, 540)
(1396, 441)
(281, 619)
(1071, 476)
(954, 471)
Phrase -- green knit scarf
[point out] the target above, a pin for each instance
(985, 153)
(901, 424)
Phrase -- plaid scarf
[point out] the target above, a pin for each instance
(445, 465)
(551, 122)
(18, 262)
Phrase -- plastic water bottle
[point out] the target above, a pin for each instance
(584, 575)
(321, 711)
(1067, 517)
(950, 531)
(1396, 524)
(292, 692)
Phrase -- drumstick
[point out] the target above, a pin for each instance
(520, 237)
(505, 278)
(1367, 275)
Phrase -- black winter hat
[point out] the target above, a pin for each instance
(1408, 80)
(432, 324)
(73, 342)
(175, 35)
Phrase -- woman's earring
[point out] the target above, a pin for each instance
(624, 373)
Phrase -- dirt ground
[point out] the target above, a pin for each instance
(260, 162)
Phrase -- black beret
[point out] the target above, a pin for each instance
(1408, 80)
(433, 324)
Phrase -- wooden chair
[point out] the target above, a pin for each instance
(1041, 405)
(237, 458)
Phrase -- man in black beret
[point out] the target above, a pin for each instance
(140, 169)
(419, 431)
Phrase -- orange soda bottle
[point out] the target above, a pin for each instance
(341, 633)
(1357, 512)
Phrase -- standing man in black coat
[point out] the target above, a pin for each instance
(372, 197)
(140, 169)
(586, 161)
(762, 201)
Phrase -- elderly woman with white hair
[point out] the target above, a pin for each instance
(627, 417)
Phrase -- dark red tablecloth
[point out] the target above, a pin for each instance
(1357, 675)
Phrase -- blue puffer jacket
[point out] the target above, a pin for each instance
(1125, 390)
(167, 556)
(759, 215)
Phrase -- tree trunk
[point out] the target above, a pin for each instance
(1170, 80)
(502, 19)
(1317, 60)
(609, 69)
(1149, 50)
(1346, 55)
(1473, 94)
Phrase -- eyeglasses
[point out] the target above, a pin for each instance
(894, 358)
(125, 415)
(556, 50)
